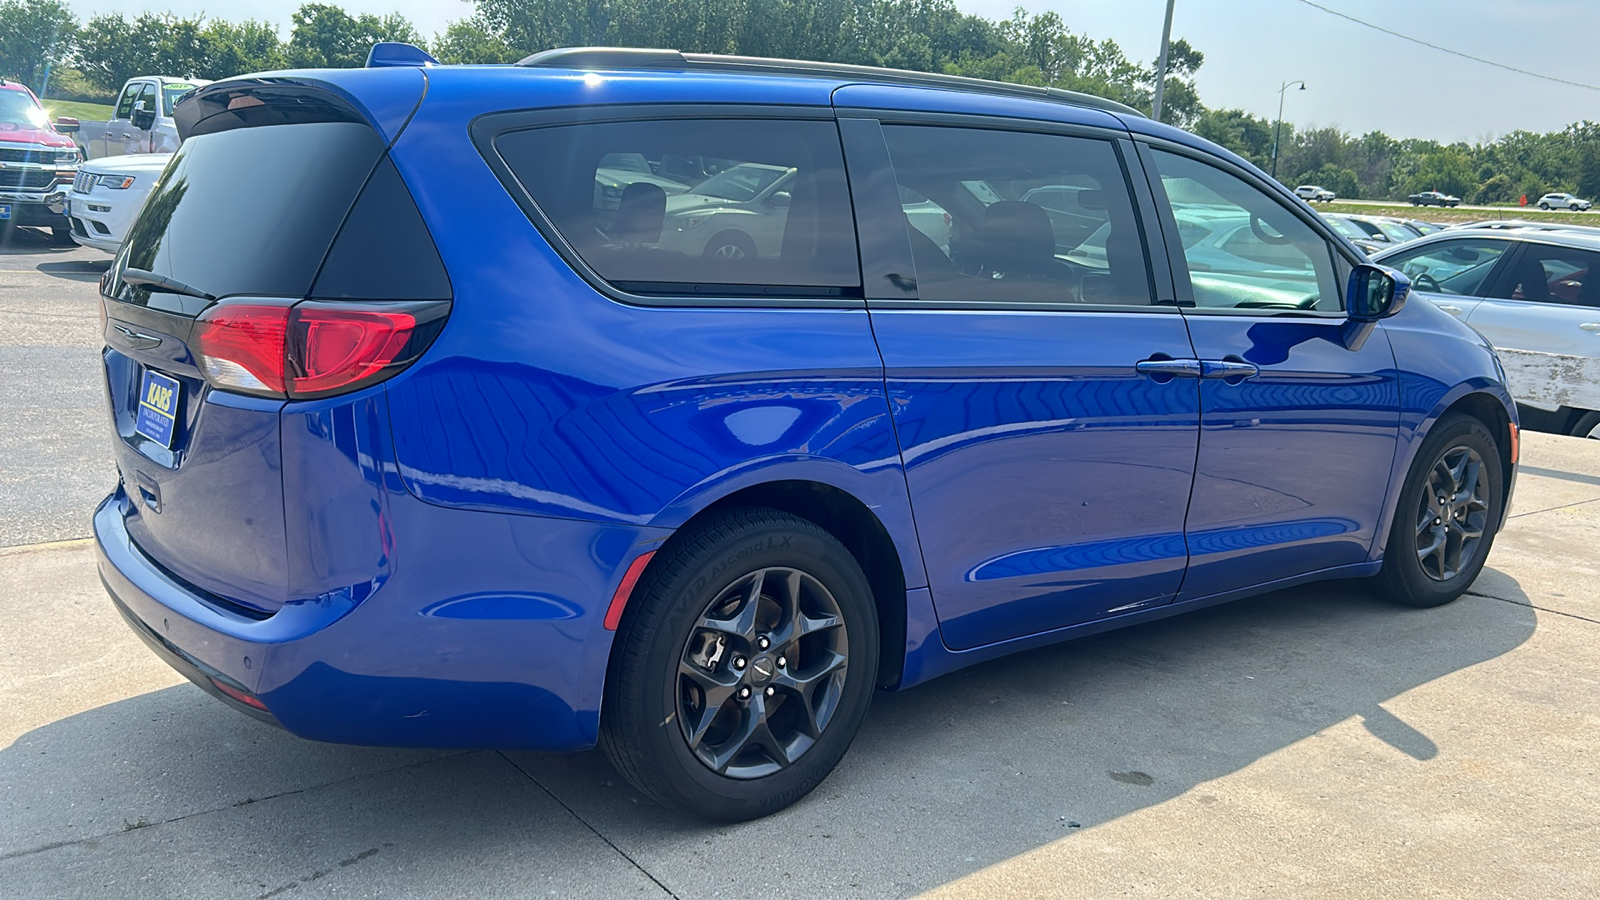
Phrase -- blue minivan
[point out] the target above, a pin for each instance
(675, 403)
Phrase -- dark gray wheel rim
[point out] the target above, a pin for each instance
(1454, 513)
(762, 673)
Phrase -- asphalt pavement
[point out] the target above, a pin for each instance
(55, 455)
(1309, 743)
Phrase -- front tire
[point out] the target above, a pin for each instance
(743, 666)
(1445, 523)
(1588, 426)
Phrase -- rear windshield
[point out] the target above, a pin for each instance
(251, 210)
(691, 205)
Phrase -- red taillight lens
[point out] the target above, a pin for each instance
(310, 349)
(336, 347)
(241, 346)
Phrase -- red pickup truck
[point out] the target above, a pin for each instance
(38, 161)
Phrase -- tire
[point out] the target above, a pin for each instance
(790, 708)
(61, 234)
(1411, 576)
(730, 245)
(1545, 207)
(1588, 426)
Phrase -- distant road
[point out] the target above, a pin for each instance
(1515, 212)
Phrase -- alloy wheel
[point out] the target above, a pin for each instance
(762, 673)
(1453, 513)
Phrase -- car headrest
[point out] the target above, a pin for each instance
(641, 213)
(1018, 240)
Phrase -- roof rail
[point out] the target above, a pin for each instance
(642, 58)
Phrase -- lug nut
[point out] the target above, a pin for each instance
(783, 661)
(771, 690)
(738, 662)
(763, 643)
(744, 693)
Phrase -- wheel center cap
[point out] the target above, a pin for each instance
(762, 669)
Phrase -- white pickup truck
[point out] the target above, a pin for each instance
(142, 119)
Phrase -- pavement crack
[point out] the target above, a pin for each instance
(1534, 512)
(574, 813)
(142, 823)
(1531, 605)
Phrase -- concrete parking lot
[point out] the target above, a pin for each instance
(1314, 742)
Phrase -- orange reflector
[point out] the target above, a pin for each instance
(1516, 444)
(619, 600)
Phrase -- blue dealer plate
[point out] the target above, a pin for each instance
(5, 211)
(158, 408)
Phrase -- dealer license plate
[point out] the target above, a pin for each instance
(5, 211)
(158, 408)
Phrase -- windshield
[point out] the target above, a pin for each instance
(1396, 233)
(1346, 227)
(171, 94)
(18, 111)
(740, 183)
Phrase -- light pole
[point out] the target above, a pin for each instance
(1161, 67)
(1277, 132)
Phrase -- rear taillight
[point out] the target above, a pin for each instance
(311, 349)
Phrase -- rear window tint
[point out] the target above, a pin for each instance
(695, 205)
(251, 210)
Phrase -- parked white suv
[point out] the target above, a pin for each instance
(1563, 201)
(107, 195)
(1311, 193)
(1536, 296)
(141, 122)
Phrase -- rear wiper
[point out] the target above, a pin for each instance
(162, 283)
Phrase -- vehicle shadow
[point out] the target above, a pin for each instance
(86, 270)
(945, 779)
(21, 239)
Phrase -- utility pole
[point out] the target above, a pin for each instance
(1277, 130)
(1161, 67)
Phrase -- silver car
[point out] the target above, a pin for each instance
(1563, 201)
(1536, 296)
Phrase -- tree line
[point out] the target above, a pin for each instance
(43, 44)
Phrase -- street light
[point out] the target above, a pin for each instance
(1277, 131)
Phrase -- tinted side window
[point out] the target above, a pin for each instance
(683, 205)
(1449, 267)
(1017, 217)
(1547, 274)
(1244, 249)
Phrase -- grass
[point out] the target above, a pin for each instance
(89, 112)
(1446, 215)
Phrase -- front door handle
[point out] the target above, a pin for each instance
(1591, 327)
(1452, 310)
(1231, 370)
(1164, 370)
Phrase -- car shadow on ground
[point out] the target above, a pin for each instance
(87, 270)
(20, 239)
(944, 779)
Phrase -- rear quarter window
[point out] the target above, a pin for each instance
(702, 206)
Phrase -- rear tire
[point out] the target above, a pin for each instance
(1436, 550)
(743, 666)
(1588, 426)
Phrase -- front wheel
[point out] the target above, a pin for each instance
(743, 666)
(1445, 522)
(1588, 426)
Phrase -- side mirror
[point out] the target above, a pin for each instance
(1375, 292)
(143, 118)
(66, 124)
(779, 199)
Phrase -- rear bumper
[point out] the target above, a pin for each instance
(411, 664)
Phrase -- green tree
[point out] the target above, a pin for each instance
(234, 48)
(469, 41)
(35, 36)
(328, 37)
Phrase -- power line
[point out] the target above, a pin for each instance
(1479, 59)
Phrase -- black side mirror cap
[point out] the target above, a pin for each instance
(144, 118)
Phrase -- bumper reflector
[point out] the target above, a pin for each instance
(248, 699)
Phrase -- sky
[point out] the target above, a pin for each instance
(1356, 78)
